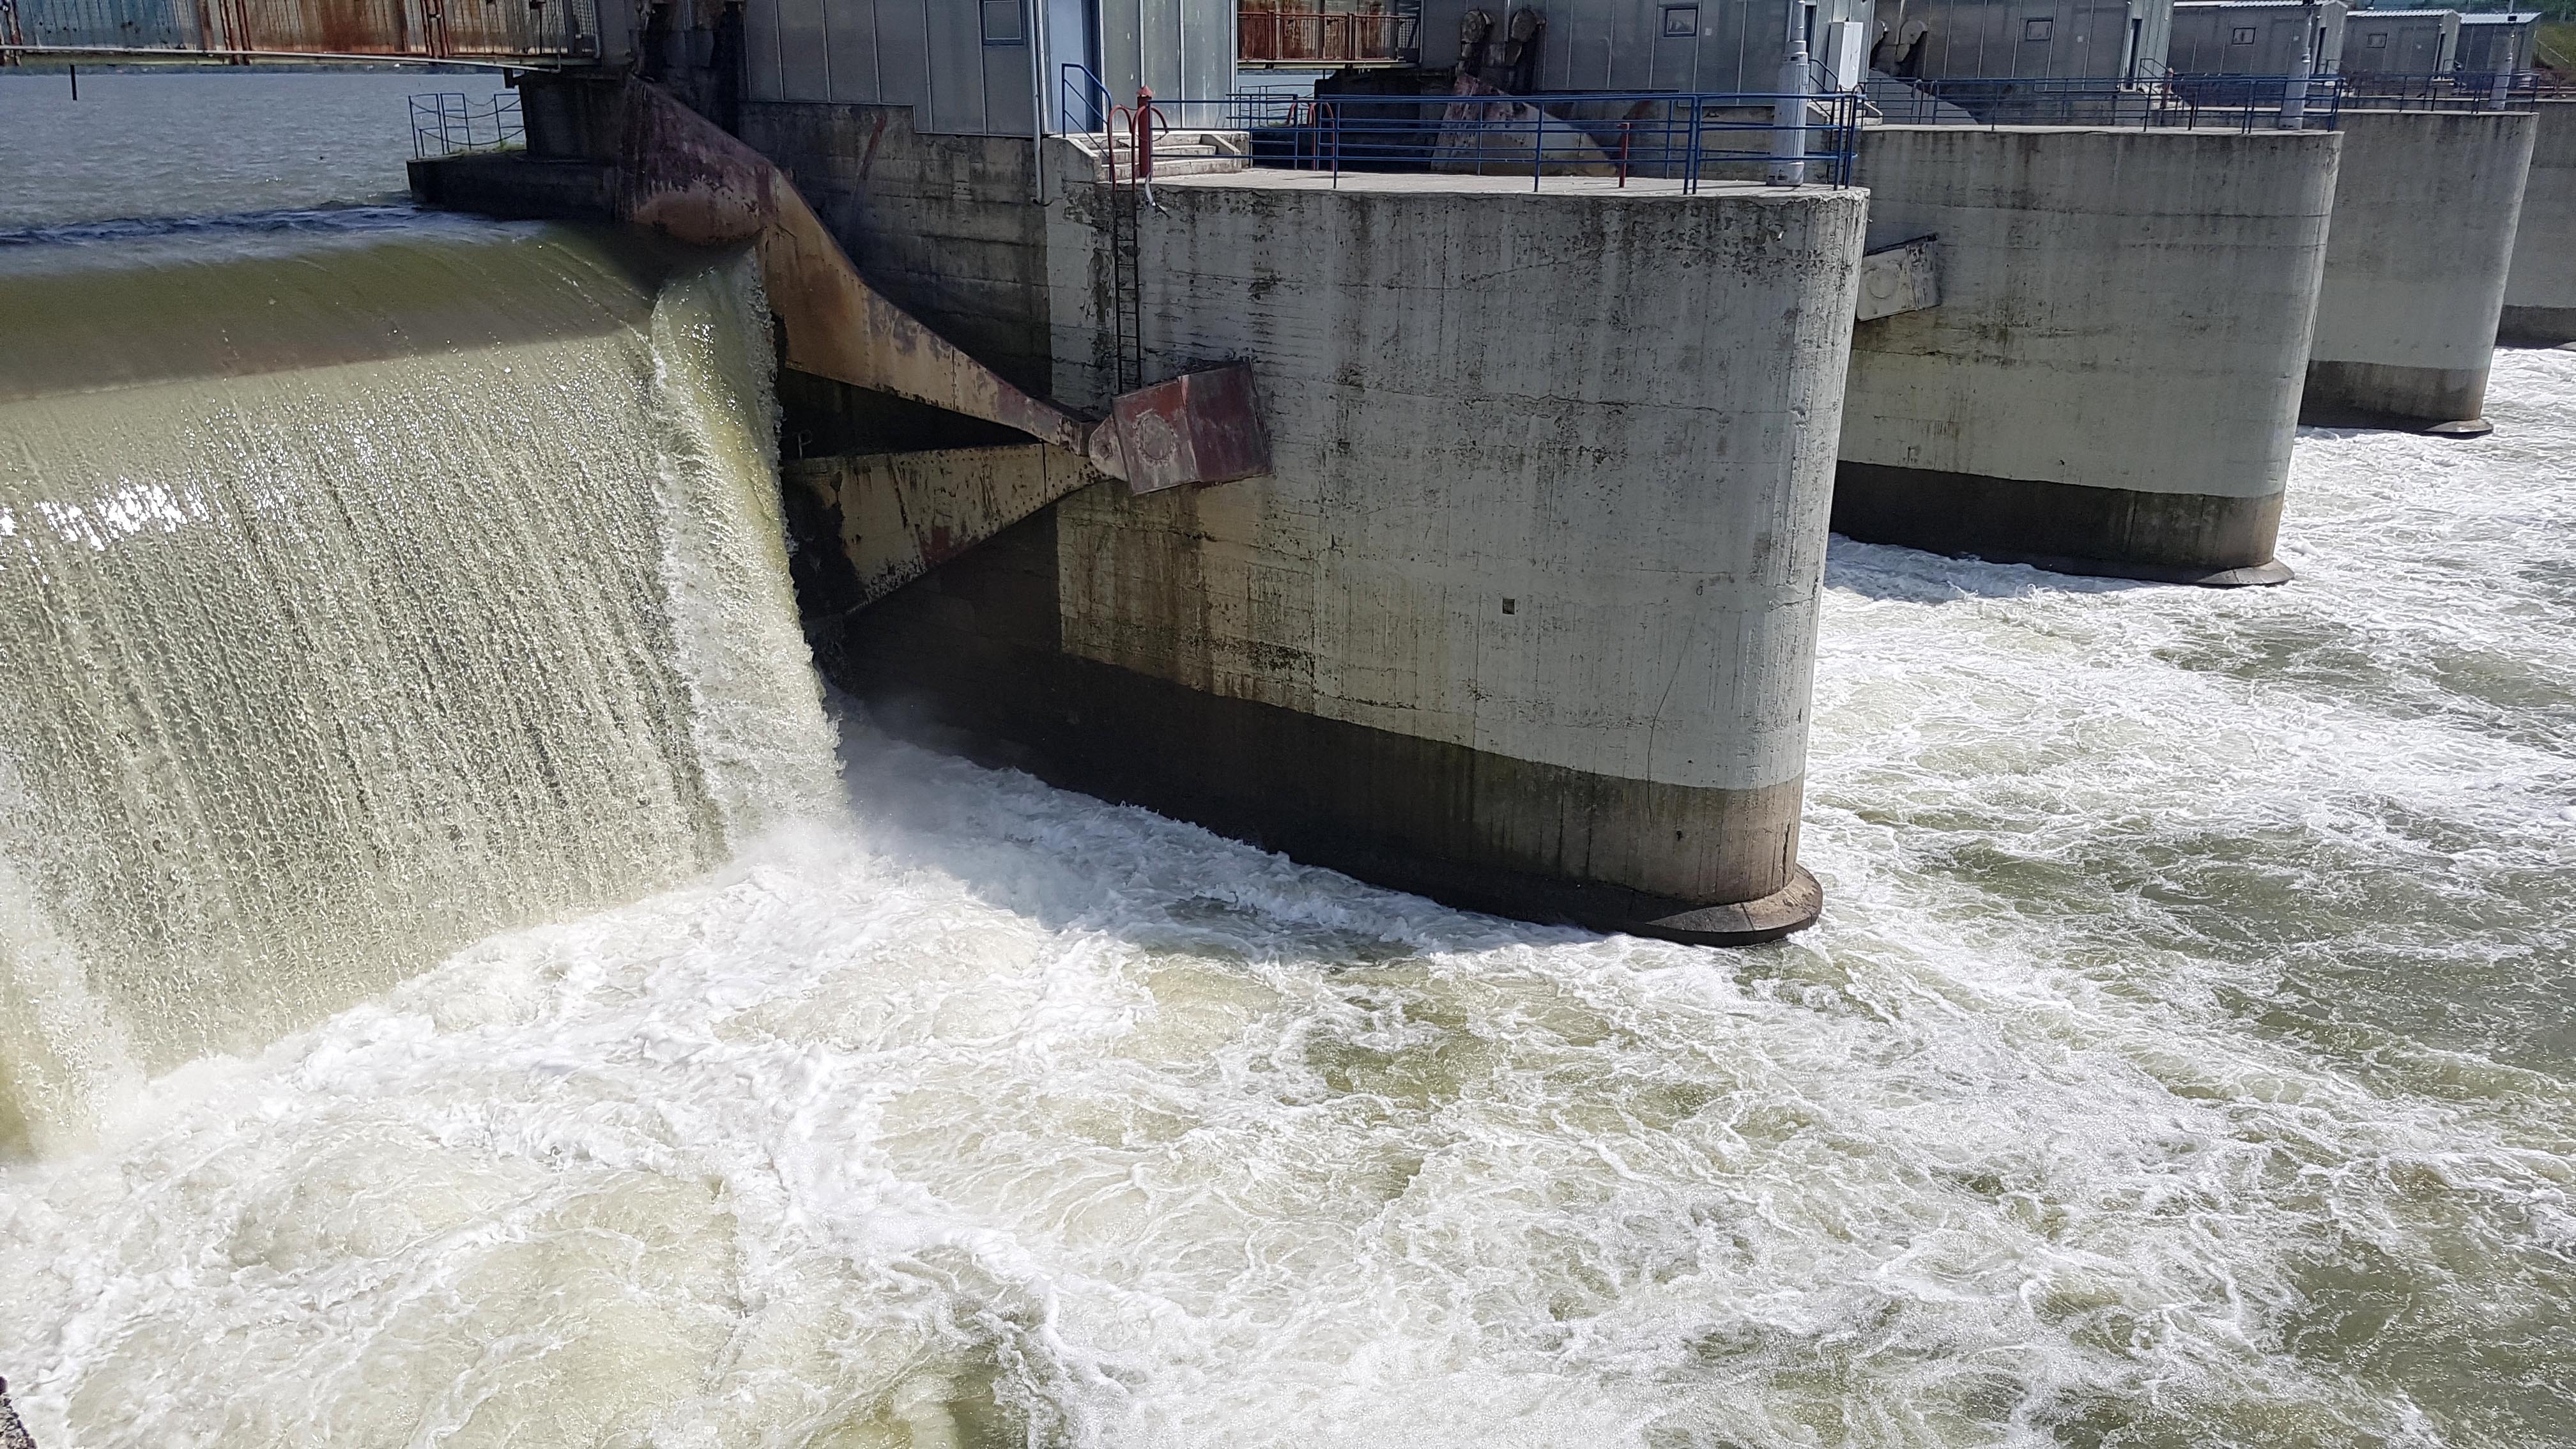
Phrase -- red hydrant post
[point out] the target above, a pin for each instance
(1143, 122)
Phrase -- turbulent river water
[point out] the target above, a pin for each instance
(2186, 1058)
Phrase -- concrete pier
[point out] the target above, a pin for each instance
(2423, 234)
(2540, 293)
(1524, 620)
(2111, 382)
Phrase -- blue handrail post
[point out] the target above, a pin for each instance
(1690, 174)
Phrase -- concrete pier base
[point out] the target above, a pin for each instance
(1524, 620)
(2424, 210)
(968, 660)
(2537, 326)
(2110, 384)
(2068, 528)
(2391, 396)
(2540, 293)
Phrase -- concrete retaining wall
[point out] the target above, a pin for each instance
(2111, 382)
(2424, 209)
(2540, 295)
(1526, 617)
(939, 223)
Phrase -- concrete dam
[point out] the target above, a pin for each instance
(829, 749)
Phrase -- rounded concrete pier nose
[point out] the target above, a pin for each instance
(2464, 428)
(2416, 264)
(2244, 576)
(2260, 576)
(2540, 290)
(1793, 907)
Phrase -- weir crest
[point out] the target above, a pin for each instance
(406, 588)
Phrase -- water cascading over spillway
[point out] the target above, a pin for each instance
(365, 589)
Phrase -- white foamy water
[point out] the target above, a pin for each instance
(2184, 1060)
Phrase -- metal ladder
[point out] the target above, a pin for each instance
(1131, 194)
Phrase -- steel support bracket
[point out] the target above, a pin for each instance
(1200, 427)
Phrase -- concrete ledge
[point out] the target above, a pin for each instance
(2537, 326)
(2382, 395)
(510, 184)
(2120, 533)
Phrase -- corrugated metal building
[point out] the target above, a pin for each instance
(1666, 45)
(2496, 42)
(2254, 37)
(2400, 42)
(978, 67)
(1997, 39)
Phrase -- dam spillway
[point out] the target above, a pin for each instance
(364, 590)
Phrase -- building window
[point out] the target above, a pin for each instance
(2037, 27)
(2241, 35)
(2378, 40)
(1681, 21)
(1002, 25)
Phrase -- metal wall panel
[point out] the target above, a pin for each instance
(954, 48)
(1122, 43)
(1583, 62)
(850, 45)
(1619, 45)
(2204, 37)
(932, 55)
(903, 52)
(804, 70)
(1183, 49)
(2032, 38)
(2490, 43)
(1005, 82)
(762, 74)
(1072, 38)
(2411, 42)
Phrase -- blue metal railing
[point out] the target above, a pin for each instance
(2457, 89)
(452, 123)
(2243, 103)
(1682, 137)
(1080, 93)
